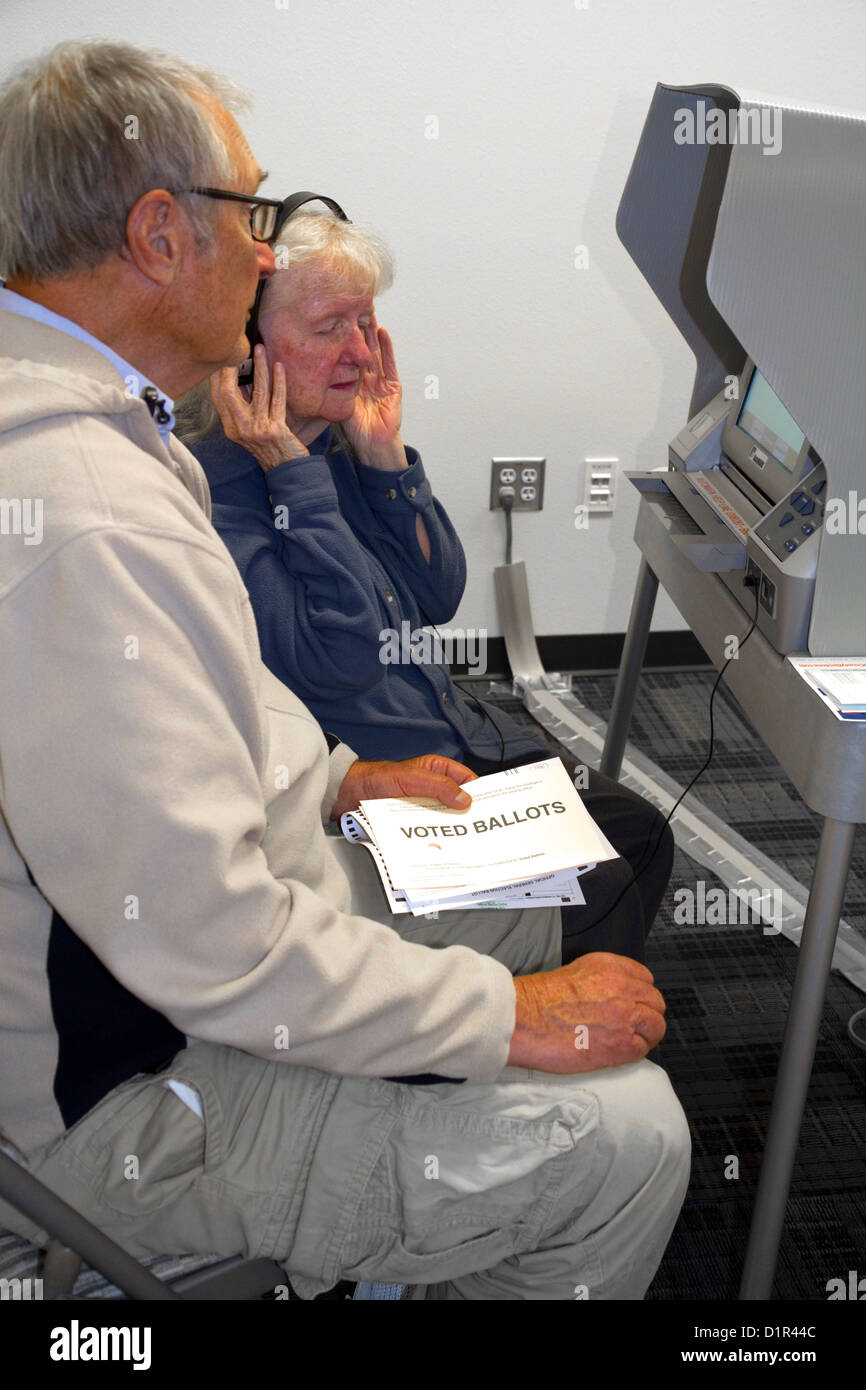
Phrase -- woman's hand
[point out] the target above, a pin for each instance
(374, 428)
(257, 420)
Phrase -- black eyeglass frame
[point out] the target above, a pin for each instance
(255, 204)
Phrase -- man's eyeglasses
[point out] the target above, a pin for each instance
(263, 211)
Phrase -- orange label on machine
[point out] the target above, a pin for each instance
(720, 505)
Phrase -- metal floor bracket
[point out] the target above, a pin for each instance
(515, 614)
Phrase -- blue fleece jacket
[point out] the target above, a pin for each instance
(328, 551)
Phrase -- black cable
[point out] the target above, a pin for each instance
(751, 583)
(482, 708)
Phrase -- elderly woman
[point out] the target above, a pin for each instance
(331, 519)
(334, 527)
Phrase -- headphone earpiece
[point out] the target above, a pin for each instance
(288, 207)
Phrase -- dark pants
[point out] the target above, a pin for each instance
(622, 895)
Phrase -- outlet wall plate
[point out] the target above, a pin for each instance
(599, 490)
(525, 475)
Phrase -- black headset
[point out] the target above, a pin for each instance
(288, 207)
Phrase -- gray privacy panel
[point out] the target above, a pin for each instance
(666, 220)
(787, 271)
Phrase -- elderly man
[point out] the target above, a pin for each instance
(196, 1011)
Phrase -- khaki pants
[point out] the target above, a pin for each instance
(535, 1186)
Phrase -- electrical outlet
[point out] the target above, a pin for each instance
(525, 477)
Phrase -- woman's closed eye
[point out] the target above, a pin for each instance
(340, 325)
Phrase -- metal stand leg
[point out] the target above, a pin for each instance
(629, 670)
(798, 1054)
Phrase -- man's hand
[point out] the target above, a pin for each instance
(259, 424)
(602, 1010)
(430, 775)
(374, 429)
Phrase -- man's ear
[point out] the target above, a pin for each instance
(157, 234)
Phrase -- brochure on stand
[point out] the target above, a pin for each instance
(839, 680)
(524, 841)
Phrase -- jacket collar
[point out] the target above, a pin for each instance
(49, 373)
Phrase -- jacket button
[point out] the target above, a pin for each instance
(445, 697)
(410, 491)
(390, 494)
(389, 596)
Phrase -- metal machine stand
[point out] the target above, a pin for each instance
(824, 758)
(798, 1054)
(633, 653)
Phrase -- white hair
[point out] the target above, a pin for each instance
(348, 250)
(88, 128)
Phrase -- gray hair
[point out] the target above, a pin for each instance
(349, 249)
(195, 415)
(88, 128)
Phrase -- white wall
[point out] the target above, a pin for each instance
(540, 104)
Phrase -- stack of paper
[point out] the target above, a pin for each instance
(524, 842)
(839, 680)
